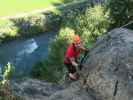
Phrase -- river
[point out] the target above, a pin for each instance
(23, 54)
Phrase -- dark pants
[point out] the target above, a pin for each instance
(71, 68)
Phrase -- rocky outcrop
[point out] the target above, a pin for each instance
(109, 67)
(33, 89)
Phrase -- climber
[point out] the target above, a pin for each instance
(72, 53)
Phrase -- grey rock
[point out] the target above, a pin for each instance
(33, 89)
(73, 92)
(109, 67)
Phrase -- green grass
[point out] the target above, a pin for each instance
(13, 7)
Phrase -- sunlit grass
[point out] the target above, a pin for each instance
(13, 7)
(5, 22)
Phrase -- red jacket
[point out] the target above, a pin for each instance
(71, 52)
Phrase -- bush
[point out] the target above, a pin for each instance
(35, 24)
(7, 74)
(89, 24)
(5, 89)
(94, 23)
(70, 19)
(121, 11)
(7, 30)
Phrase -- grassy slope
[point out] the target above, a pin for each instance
(12, 7)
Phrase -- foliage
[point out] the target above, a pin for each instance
(71, 18)
(90, 24)
(121, 11)
(7, 30)
(67, 1)
(34, 24)
(94, 23)
(5, 90)
(7, 74)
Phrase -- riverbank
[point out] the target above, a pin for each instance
(36, 22)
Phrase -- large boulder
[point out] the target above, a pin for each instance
(108, 69)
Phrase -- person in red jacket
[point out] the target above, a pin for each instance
(72, 53)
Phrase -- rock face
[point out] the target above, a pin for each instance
(73, 92)
(109, 68)
(33, 89)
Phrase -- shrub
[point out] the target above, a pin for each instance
(7, 74)
(121, 11)
(89, 24)
(7, 30)
(70, 18)
(5, 89)
(31, 25)
(94, 23)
